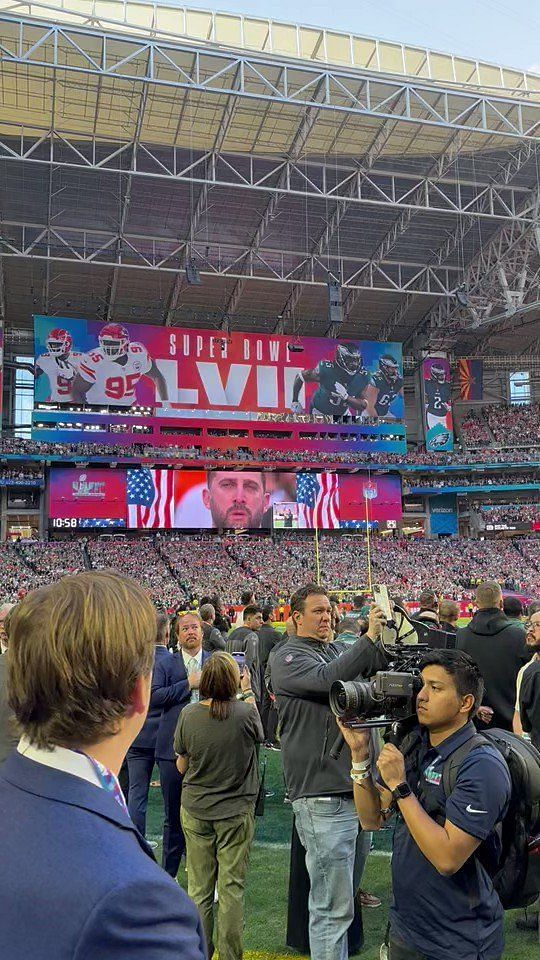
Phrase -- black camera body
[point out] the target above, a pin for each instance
(386, 699)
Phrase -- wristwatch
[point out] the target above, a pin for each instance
(402, 791)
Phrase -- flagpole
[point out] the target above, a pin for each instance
(366, 498)
(317, 560)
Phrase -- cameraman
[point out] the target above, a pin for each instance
(302, 672)
(444, 904)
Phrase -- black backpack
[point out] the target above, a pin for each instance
(516, 877)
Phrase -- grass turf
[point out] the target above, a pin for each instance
(266, 893)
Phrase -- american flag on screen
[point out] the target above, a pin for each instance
(106, 523)
(150, 498)
(317, 495)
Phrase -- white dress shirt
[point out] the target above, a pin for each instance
(193, 663)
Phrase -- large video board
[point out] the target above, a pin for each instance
(221, 499)
(176, 371)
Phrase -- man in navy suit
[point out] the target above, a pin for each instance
(141, 755)
(79, 676)
(175, 684)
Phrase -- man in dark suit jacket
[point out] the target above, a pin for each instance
(175, 684)
(7, 736)
(80, 664)
(141, 756)
(8, 739)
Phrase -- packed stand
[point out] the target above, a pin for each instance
(434, 482)
(14, 475)
(241, 455)
(54, 559)
(516, 425)
(16, 577)
(474, 430)
(138, 559)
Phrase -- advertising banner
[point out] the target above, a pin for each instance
(443, 514)
(173, 371)
(144, 498)
(470, 376)
(437, 404)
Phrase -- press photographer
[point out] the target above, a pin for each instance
(444, 902)
(302, 672)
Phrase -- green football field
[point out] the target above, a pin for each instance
(266, 896)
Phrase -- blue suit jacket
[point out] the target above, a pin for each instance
(171, 693)
(148, 736)
(73, 858)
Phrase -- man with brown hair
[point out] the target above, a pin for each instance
(449, 615)
(80, 663)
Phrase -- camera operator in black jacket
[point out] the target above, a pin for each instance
(320, 788)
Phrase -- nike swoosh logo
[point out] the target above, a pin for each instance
(470, 809)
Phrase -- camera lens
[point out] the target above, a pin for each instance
(351, 697)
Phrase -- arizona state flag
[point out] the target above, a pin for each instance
(470, 379)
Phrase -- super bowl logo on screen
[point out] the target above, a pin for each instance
(173, 371)
(85, 489)
(437, 404)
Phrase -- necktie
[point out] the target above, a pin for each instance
(193, 667)
(107, 780)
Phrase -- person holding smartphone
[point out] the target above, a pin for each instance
(216, 743)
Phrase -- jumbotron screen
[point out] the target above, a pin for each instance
(143, 499)
(179, 371)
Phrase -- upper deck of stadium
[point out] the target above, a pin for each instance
(137, 136)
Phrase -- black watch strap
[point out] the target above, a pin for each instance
(402, 791)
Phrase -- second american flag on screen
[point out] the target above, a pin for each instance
(150, 498)
(317, 495)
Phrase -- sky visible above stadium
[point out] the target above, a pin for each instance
(500, 31)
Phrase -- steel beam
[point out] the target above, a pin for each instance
(333, 183)
(42, 47)
(439, 317)
(201, 205)
(309, 119)
(142, 252)
(332, 225)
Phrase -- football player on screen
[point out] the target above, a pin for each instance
(437, 396)
(383, 388)
(59, 365)
(109, 374)
(341, 381)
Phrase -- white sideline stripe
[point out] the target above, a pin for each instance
(285, 846)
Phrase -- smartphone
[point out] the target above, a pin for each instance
(382, 599)
(240, 659)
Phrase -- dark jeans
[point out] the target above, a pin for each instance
(140, 761)
(402, 951)
(174, 844)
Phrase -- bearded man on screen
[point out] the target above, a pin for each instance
(236, 499)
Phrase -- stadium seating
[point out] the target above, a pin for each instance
(174, 568)
(513, 452)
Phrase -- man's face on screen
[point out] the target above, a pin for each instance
(236, 499)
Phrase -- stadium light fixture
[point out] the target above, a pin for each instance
(462, 297)
(295, 348)
(193, 276)
(335, 301)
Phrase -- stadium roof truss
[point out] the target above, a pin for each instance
(135, 137)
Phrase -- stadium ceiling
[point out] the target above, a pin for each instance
(137, 137)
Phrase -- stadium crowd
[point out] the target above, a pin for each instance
(464, 480)
(512, 452)
(510, 513)
(174, 567)
(14, 475)
(517, 425)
